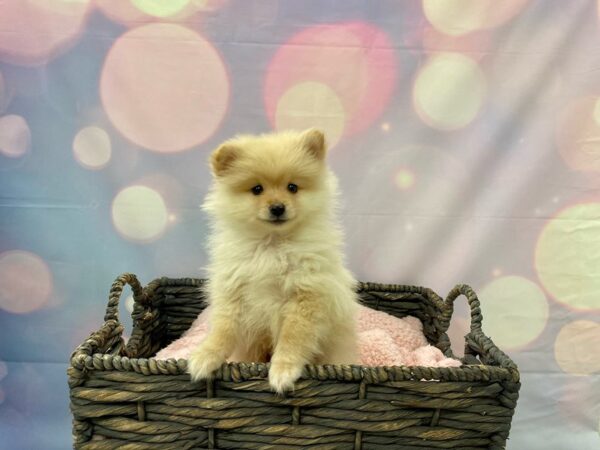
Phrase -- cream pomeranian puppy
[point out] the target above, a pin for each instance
(278, 289)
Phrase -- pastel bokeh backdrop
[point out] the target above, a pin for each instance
(465, 133)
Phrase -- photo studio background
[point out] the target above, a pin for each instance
(465, 133)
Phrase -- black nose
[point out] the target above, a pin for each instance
(277, 209)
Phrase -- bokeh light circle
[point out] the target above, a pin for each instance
(354, 59)
(170, 187)
(578, 134)
(577, 347)
(404, 179)
(35, 31)
(139, 213)
(91, 147)
(136, 12)
(567, 254)
(15, 136)
(160, 8)
(448, 91)
(596, 113)
(25, 282)
(123, 12)
(458, 17)
(515, 311)
(311, 104)
(164, 87)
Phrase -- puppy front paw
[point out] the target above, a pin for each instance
(202, 364)
(282, 376)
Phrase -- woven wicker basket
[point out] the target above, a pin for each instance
(123, 398)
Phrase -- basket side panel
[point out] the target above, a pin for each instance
(171, 305)
(401, 301)
(116, 409)
(276, 422)
(457, 415)
(179, 305)
(128, 408)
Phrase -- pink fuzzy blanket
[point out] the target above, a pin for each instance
(383, 340)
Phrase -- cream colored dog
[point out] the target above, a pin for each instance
(278, 288)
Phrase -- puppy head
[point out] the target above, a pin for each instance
(270, 182)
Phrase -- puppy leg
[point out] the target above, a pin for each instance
(217, 346)
(297, 342)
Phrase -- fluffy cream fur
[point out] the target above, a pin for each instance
(279, 290)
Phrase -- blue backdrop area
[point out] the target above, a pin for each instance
(465, 134)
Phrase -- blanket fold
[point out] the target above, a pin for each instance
(383, 340)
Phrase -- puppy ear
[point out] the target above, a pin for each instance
(223, 157)
(313, 141)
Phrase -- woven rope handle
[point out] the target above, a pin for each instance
(112, 310)
(467, 291)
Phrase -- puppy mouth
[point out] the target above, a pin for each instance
(276, 220)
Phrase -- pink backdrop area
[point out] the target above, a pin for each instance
(465, 133)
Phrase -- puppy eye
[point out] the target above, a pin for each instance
(257, 190)
(292, 188)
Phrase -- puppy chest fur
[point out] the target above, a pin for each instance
(272, 276)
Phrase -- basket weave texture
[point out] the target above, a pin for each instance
(123, 398)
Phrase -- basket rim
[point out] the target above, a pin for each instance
(237, 372)
(86, 358)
